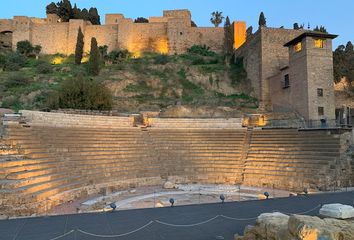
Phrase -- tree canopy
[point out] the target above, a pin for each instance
(79, 50)
(65, 11)
(262, 22)
(343, 62)
(216, 18)
(228, 39)
(320, 29)
(141, 20)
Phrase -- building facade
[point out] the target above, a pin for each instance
(291, 71)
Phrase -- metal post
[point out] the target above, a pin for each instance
(199, 195)
(154, 199)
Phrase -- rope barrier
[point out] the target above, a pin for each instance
(300, 213)
(176, 225)
(238, 219)
(64, 235)
(187, 225)
(114, 236)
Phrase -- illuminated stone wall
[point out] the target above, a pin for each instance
(170, 34)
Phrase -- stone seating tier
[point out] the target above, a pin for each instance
(50, 164)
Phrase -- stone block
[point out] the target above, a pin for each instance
(337, 210)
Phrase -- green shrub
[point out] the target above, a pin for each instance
(14, 62)
(188, 86)
(16, 79)
(141, 87)
(25, 47)
(198, 61)
(237, 72)
(118, 56)
(2, 61)
(44, 67)
(201, 50)
(80, 93)
(161, 59)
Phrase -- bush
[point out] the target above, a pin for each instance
(16, 79)
(44, 67)
(161, 59)
(25, 47)
(14, 61)
(237, 72)
(202, 50)
(80, 93)
(118, 56)
(2, 61)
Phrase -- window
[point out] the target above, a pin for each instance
(320, 111)
(319, 43)
(298, 47)
(319, 92)
(286, 82)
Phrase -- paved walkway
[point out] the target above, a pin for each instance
(195, 222)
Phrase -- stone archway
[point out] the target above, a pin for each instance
(6, 41)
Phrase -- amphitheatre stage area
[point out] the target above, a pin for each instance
(80, 175)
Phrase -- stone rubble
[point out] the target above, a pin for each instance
(277, 226)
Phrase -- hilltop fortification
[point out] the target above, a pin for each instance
(170, 34)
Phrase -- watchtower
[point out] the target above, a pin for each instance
(310, 75)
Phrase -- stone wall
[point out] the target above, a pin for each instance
(264, 55)
(169, 34)
(54, 41)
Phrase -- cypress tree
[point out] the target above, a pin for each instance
(79, 50)
(262, 20)
(228, 40)
(94, 62)
(52, 8)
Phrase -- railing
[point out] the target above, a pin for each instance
(304, 124)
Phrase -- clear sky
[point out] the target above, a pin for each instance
(336, 15)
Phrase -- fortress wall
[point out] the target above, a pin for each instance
(113, 18)
(22, 30)
(143, 37)
(6, 25)
(74, 26)
(250, 51)
(52, 37)
(274, 56)
(210, 36)
(264, 55)
(105, 35)
(184, 15)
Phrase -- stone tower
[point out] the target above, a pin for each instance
(310, 76)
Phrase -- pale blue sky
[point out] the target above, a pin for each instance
(337, 16)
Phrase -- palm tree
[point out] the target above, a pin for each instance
(216, 18)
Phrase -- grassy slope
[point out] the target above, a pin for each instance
(149, 83)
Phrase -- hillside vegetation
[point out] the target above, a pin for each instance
(151, 82)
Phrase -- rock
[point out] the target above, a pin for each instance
(261, 197)
(159, 205)
(273, 225)
(338, 211)
(277, 226)
(4, 217)
(132, 191)
(306, 227)
(169, 185)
